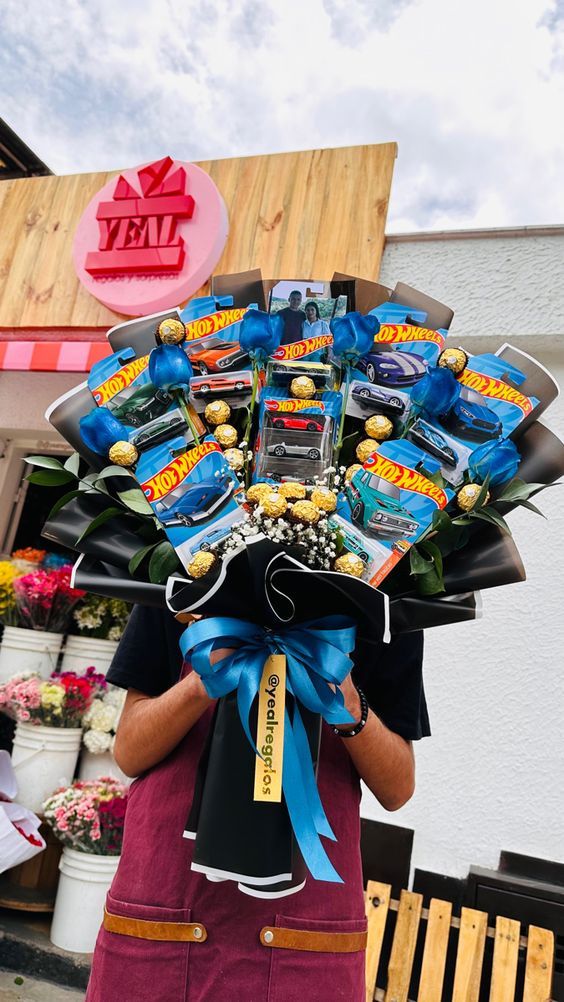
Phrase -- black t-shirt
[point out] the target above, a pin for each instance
(293, 323)
(148, 658)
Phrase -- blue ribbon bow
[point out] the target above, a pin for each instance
(317, 654)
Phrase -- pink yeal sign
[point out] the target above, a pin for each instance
(151, 237)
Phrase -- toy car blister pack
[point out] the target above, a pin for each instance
(220, 365)
(390, 503)
(295, 438)
(490, 406)
(190, 493)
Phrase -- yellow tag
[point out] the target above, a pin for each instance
(270, 730)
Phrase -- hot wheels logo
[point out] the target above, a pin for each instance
(400, 333)
(204, 326)
(120, 380)
(301, 348)
(175, 472)
(406, 479)
(496, 389)
(293, 405)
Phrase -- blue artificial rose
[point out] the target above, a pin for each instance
(436, 392)
(499, 460)
(170, 368)
(100, 430)
(353, 335)
(260, 333)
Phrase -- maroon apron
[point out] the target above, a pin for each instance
(154, 882)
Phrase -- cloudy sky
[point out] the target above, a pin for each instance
(473, 92)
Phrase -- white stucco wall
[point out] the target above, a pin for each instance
(491, 776)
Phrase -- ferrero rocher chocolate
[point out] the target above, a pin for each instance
(123, 454)
(292, 491)
(226, 435)
(302, 387)
(351, 470)
(273, 504)
(217, 412)
(201, 563)
(454, 359)
(256, 492)
(324, 499)
(235, 458)
(468, 495)
(306, 512)
(171, 331)
(365, 449)
(349, 563)
(379, 427)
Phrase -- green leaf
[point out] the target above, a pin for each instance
(435, 478)
(50, 477)
(482, 495)
(100, 519)
(48, 462)
(435, 554)
(492, 516)
(138, 557)
(518, 490)
(136, 500)
(532, 507)
(430, 583)
(62, 501)
(72, 464)
(163, 562)
(114, 471)
(417, 562)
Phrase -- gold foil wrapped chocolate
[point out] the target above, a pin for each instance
(292, 491)
(365, 449)
(273, 504)
(201, 563)
(226, 435)
(123, 454)
(256, 492)
(302, 387)
(379, 427)
(217, 412)
(235, 458)
(349, 563)
(454, 359)
(324, 499)
(171, 331)
(306, 512)
(351, 470)
(468, 495)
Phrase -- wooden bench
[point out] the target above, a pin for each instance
(467, 936)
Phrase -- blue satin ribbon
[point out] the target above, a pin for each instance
(317, 653)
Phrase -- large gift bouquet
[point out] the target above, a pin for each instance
(300, 494)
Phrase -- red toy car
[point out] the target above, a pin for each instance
(306, 423)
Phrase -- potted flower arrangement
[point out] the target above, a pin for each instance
(96, 626)
(44, 600)
(100, 725)
(49, 717)
(88, 818)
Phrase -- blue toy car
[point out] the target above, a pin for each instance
(375, 505)
(432, 441)
(471, 418)
(392, 368)
(211, 537)
(351, 542)
(195, 504)
(376, 399)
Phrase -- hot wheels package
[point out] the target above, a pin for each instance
(390, 503)
(280, 374)
(192, 494)
(490, 405)
(295, 438)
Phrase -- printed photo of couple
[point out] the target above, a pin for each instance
(306, 307)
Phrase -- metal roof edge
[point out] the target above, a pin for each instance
(493, 233)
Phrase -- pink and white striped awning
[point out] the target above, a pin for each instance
(51, 356)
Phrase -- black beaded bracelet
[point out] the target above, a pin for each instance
(363, 718)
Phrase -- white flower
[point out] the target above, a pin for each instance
(115, 632)
(97, 741)
(104, 717)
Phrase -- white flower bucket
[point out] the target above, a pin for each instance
(44, 758)
(93, 766)
(82, 652)
(79, 906)
(28, 651)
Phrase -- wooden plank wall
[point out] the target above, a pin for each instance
(293, 215)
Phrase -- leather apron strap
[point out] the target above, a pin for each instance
(178, 932)
(317, 942)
